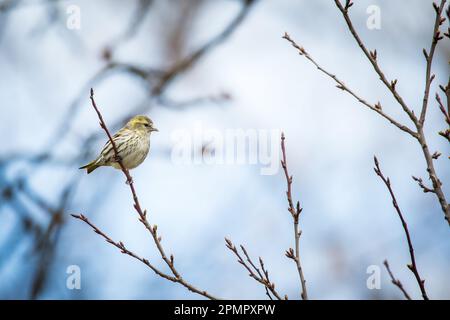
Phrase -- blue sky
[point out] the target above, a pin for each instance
(348, 222)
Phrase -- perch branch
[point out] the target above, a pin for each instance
(429, 57)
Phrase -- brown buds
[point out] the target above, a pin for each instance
(348, 4)
(422, 185)
(229, 244)
(393, 84)
(290, 253)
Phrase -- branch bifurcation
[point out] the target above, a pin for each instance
(418, 122)
(412, 266)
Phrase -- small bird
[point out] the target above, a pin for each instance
(132, 143)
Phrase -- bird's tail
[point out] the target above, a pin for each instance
(91, 166)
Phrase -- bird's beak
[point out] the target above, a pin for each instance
(154, 129)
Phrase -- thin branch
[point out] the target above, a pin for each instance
(422, 185)
(446, 112)
(191, 59)
(420, 135)
(412, 266)
(429, 57)
(120, 245)
(341, 85)
(159, 79)
(372, 56)
(217, 99)
(295, 213)
(395, 281)
(142, 218)
(254, 272)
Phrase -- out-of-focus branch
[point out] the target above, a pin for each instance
(422, 185)
(412, 266)
(261, 276)
(143, 219)
(47, 242)
(295, 213)
(138, 17)
(419, 123)
(395, 281)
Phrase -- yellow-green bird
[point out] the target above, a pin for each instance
(132, 142)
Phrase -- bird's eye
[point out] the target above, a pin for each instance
(146, 124)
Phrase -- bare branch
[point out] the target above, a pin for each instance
(143, 219)
(254, 272)
(341, 85)
(295, 213)
(412, 266)
(120, 245)
(373, 60)
(391, 85)
(395, 281)
(191, 59)
(446, 112)
(422, 185)
(429, 58)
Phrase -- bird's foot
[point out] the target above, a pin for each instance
(117, 158)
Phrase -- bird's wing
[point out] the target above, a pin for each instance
(108, 152)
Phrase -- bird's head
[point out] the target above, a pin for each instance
(142, 123)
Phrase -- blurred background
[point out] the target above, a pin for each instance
(222, 64)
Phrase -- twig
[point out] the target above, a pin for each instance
(254, 272)
(391, 85)
(295, 213)
(120, 245)
(341, 85)
(143, 219)
(422, 185)
(429, 57)
(446, 112)
(372, 56)
(191, 59)
(395, 281)
(419, 123)
(412, 266)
